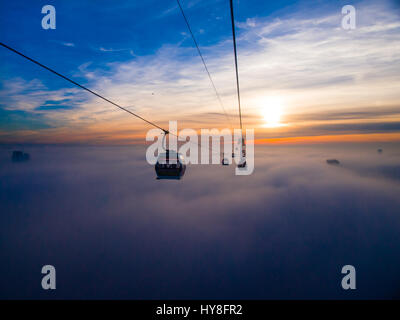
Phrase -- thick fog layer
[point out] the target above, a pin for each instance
(113, 231)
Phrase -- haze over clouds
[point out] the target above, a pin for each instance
(113, 231)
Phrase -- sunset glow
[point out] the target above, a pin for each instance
(272, 112)
(292, 84)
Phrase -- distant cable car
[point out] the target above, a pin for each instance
(170, 165)
(225, 161)
(242, 164)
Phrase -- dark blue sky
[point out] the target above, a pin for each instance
(107, 31)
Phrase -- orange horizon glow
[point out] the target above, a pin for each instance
(126, 138)
(344, 138)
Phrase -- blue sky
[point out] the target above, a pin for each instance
(107, 31)
(139, 53)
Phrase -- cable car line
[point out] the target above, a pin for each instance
(242, 163)
(83, 87)
(91, 91)
(204, 63)
(236, 64)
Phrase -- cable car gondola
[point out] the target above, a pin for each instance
(225, 161)
(170, 165)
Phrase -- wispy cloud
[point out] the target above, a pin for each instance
(68, 44)
(63, 43)
(110, 49)
(130, 51)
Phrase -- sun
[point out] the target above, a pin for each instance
(271, 110)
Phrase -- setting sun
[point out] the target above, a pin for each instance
(271, 110)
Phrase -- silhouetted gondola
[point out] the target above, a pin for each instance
(225, 161)
(170, 165)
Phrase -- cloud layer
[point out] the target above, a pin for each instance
(113, 231)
